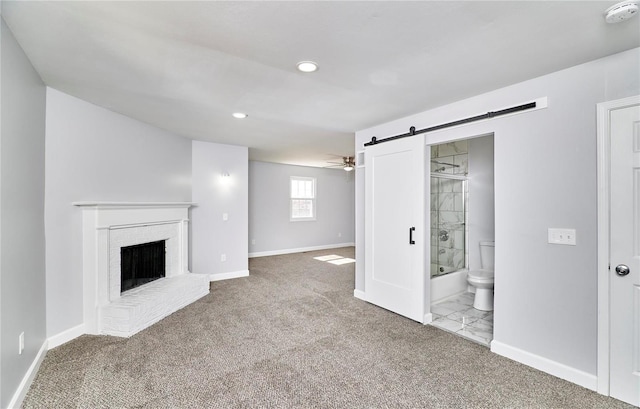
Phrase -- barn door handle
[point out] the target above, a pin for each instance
(411, 240)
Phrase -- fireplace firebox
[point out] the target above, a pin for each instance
(141, 263)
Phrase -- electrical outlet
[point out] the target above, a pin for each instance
(562, 236)
(21, 343)
(339, 234)
(223, 257)
(253, 241)
(225, 216)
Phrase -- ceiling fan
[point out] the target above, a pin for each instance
(348, 163)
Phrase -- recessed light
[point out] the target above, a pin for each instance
(307, 66)
(240, 115)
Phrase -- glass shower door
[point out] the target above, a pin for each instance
(448, 223)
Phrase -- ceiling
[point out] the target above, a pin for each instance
(187, 66)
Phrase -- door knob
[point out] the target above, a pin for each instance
(622, 270)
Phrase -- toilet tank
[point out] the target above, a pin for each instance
(487, 254)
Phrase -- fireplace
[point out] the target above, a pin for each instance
(135, 265)
(141, 264)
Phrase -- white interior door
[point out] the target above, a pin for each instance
(394, 226)
(625, 255)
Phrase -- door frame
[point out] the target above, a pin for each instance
(604, 276)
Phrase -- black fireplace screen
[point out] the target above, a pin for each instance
(141, 264)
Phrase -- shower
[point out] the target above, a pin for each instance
(448, 208)
(448, 223)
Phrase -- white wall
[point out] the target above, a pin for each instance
(545, 176)
(214, 196)
(269, 223)
(93, 154)
(22, 249)
(481, 196)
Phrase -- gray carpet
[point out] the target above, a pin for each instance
(293, 336)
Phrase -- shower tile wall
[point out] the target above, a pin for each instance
(447, 209)
(454, 152)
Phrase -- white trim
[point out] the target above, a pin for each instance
(428, 318)
(229, 275)
(361, 295)
(299, 250)
(603, 248)
(554, 368)
(65, 336)
(360, 159)
(603, 166)
(27, 380)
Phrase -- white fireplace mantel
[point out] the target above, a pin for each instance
(133, 204)
(108, 226)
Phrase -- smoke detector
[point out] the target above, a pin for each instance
(621, 11)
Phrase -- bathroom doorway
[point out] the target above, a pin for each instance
(461, 217)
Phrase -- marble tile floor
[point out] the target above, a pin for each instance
(456, 314)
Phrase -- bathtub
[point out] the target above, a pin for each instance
(448, 285)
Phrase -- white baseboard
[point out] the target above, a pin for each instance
(66, 336)
(562, 371)
(299, 250)
(23, 388)
(230, 275)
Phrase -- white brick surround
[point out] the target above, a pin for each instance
(108, 226)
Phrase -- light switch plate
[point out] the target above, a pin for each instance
(562, 236)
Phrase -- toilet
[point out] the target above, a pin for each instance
(482, 280)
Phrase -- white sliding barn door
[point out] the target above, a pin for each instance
(625, 255)
(394, 218)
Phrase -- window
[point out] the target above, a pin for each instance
(303, 198)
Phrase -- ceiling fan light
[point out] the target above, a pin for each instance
(348, 168)
(239, 115)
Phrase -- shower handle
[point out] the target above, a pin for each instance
(411, 240)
